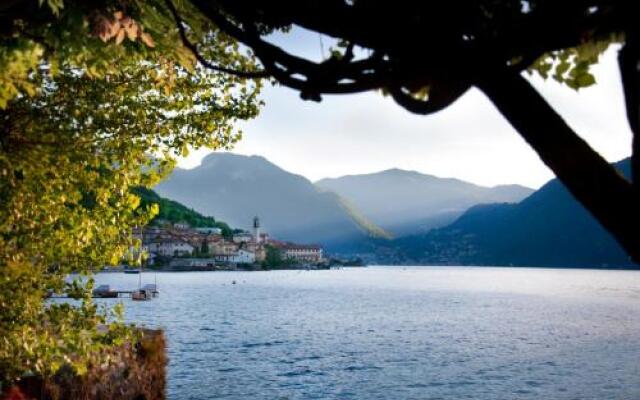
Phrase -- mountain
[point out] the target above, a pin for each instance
(174, 212)
(236, 188)
(404, 202)
(549, 228)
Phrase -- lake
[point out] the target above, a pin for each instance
(397, 333)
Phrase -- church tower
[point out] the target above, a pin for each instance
(256, 229)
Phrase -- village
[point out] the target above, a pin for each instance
(180, 247)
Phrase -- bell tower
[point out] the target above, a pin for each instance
(256, 229)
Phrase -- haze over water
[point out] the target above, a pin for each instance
(397, 333)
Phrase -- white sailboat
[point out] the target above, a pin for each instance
(141, 294)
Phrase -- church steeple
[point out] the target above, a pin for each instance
(256, 229)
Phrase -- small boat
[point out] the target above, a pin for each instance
(146, 292)
(152, 288)
(131, 271)
(141, 295)
(105, 292)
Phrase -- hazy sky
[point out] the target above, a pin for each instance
(470, 140)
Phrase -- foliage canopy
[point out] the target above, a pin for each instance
(94, 100)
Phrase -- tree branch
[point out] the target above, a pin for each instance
(332, 76)
(194, 49)
(438, 99)
(629, 63)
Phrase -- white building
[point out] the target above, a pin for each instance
(243, 257)
(170, 248)
(302, 253)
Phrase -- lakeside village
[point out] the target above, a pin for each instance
(180, 247)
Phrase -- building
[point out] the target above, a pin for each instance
(260, 253)
(302, 253)
(194, 263)
(209, 230)
(243, 237)
(222, 248)
(239, 257)
(181, 225)
(243, 257)
(169, 248)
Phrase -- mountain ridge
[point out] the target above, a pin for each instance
(548, 228)
(405, 201)
(236, 187)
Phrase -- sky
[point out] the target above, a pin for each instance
(470, 140)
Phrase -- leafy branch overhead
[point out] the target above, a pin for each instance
(93, 101)
(89, 36)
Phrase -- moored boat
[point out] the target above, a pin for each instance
(141, 295)
(151, 288)
(104, 291)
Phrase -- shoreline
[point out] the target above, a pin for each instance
(334, 267)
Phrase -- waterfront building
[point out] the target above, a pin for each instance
(302, 253)
(170, 248)
(243, 256)
(193, 263)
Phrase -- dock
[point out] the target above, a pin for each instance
(112, 294)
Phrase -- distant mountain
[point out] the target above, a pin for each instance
(549, 228)
(236, 188)
(174, 212)
(404, 202)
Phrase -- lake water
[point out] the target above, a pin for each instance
(397, 333)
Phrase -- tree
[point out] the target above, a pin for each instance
(204, 248)
(171, 212)
(428, 54)
(273, 257)
(84, 121)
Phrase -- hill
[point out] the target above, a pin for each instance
(236, 188)
(174, 212)
(549, 228)
(404, 202)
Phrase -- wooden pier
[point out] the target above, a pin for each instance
(113, 294)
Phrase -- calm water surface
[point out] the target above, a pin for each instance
(397, 333)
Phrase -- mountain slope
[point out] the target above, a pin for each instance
(174, 212)
(235, 188)
(549, 228)
(405, 202)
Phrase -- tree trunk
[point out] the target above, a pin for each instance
(600, 188)
(629, 62)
